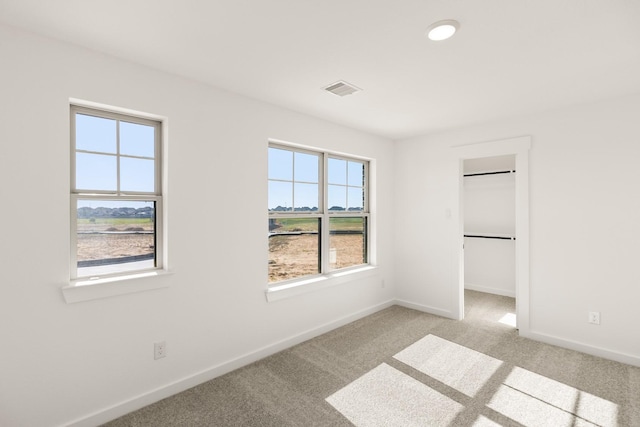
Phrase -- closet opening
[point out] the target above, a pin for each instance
(489, 239)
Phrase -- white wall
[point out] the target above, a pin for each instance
(490, 204)
(584, 207)
(489, 209)
(64, 362)
(490, 266)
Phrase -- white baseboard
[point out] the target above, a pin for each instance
(142, 400)
(488, 290)
(425, 308)
(583, 348)
(545, 338)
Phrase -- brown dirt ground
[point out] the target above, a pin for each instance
(297, 256)
(289, 256)
(98, 246)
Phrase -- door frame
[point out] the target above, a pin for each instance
(519, 147)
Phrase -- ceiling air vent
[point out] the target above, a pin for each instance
(342, 88)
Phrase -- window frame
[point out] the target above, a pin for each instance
(155, 196)
(324, 214)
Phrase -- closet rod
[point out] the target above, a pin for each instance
(489, 237)
(489, 173)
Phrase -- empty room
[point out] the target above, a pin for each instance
(332, 213)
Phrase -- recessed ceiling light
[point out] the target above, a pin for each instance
(442, 30)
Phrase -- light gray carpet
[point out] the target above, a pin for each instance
(401, 367)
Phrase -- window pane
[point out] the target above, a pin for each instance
(95, 134)
(305, 197)
(280, 196)
(294, 247)
(96, 172)
(137, 175)
(115, 236)
(337, 196)
(356, 198)
(137, 139)
(347, 242)
(356, 174)
(280, 164)
(306, 167)
(337, 171)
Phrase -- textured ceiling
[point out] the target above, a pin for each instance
(509, 57)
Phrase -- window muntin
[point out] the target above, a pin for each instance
(299, 195)
(115, 236)
(115, 193)
(346, 185)
(294, 248)
(293, 180)
(88, 164)
(95, 134)
(347, 242)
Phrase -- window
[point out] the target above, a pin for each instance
(318, 212)
(116, 193)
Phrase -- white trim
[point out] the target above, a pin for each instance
(426, 309)
(114, 411)
(144, 399)
(489, 290)
(160, 184)
(518, 146)
(313, 148)
(316, 283)
(326, 275)
(540, 337)
(495, 148)
(628, 359)
(108, 108)
(138, 281)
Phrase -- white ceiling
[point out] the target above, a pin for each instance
(509, 57)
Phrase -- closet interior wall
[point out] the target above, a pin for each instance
(489, 216)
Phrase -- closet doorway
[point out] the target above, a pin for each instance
(487, 155)
(489, 204)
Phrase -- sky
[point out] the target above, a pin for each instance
(137, 149)
(293, 180)
(97, 162)
(293, 176)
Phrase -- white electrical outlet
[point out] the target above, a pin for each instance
(594, 317)
(159, 350)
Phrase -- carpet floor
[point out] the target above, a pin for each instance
(401, 367)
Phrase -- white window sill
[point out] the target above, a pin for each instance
(103, 287)
(299, 287)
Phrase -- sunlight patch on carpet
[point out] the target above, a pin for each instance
(483, 421)
(386, 396)
(459, 367)
(532, 412)
(565, 405)
(509, 319)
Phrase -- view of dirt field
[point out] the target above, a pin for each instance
(101, 246)
(292, 256)
(105, 238)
